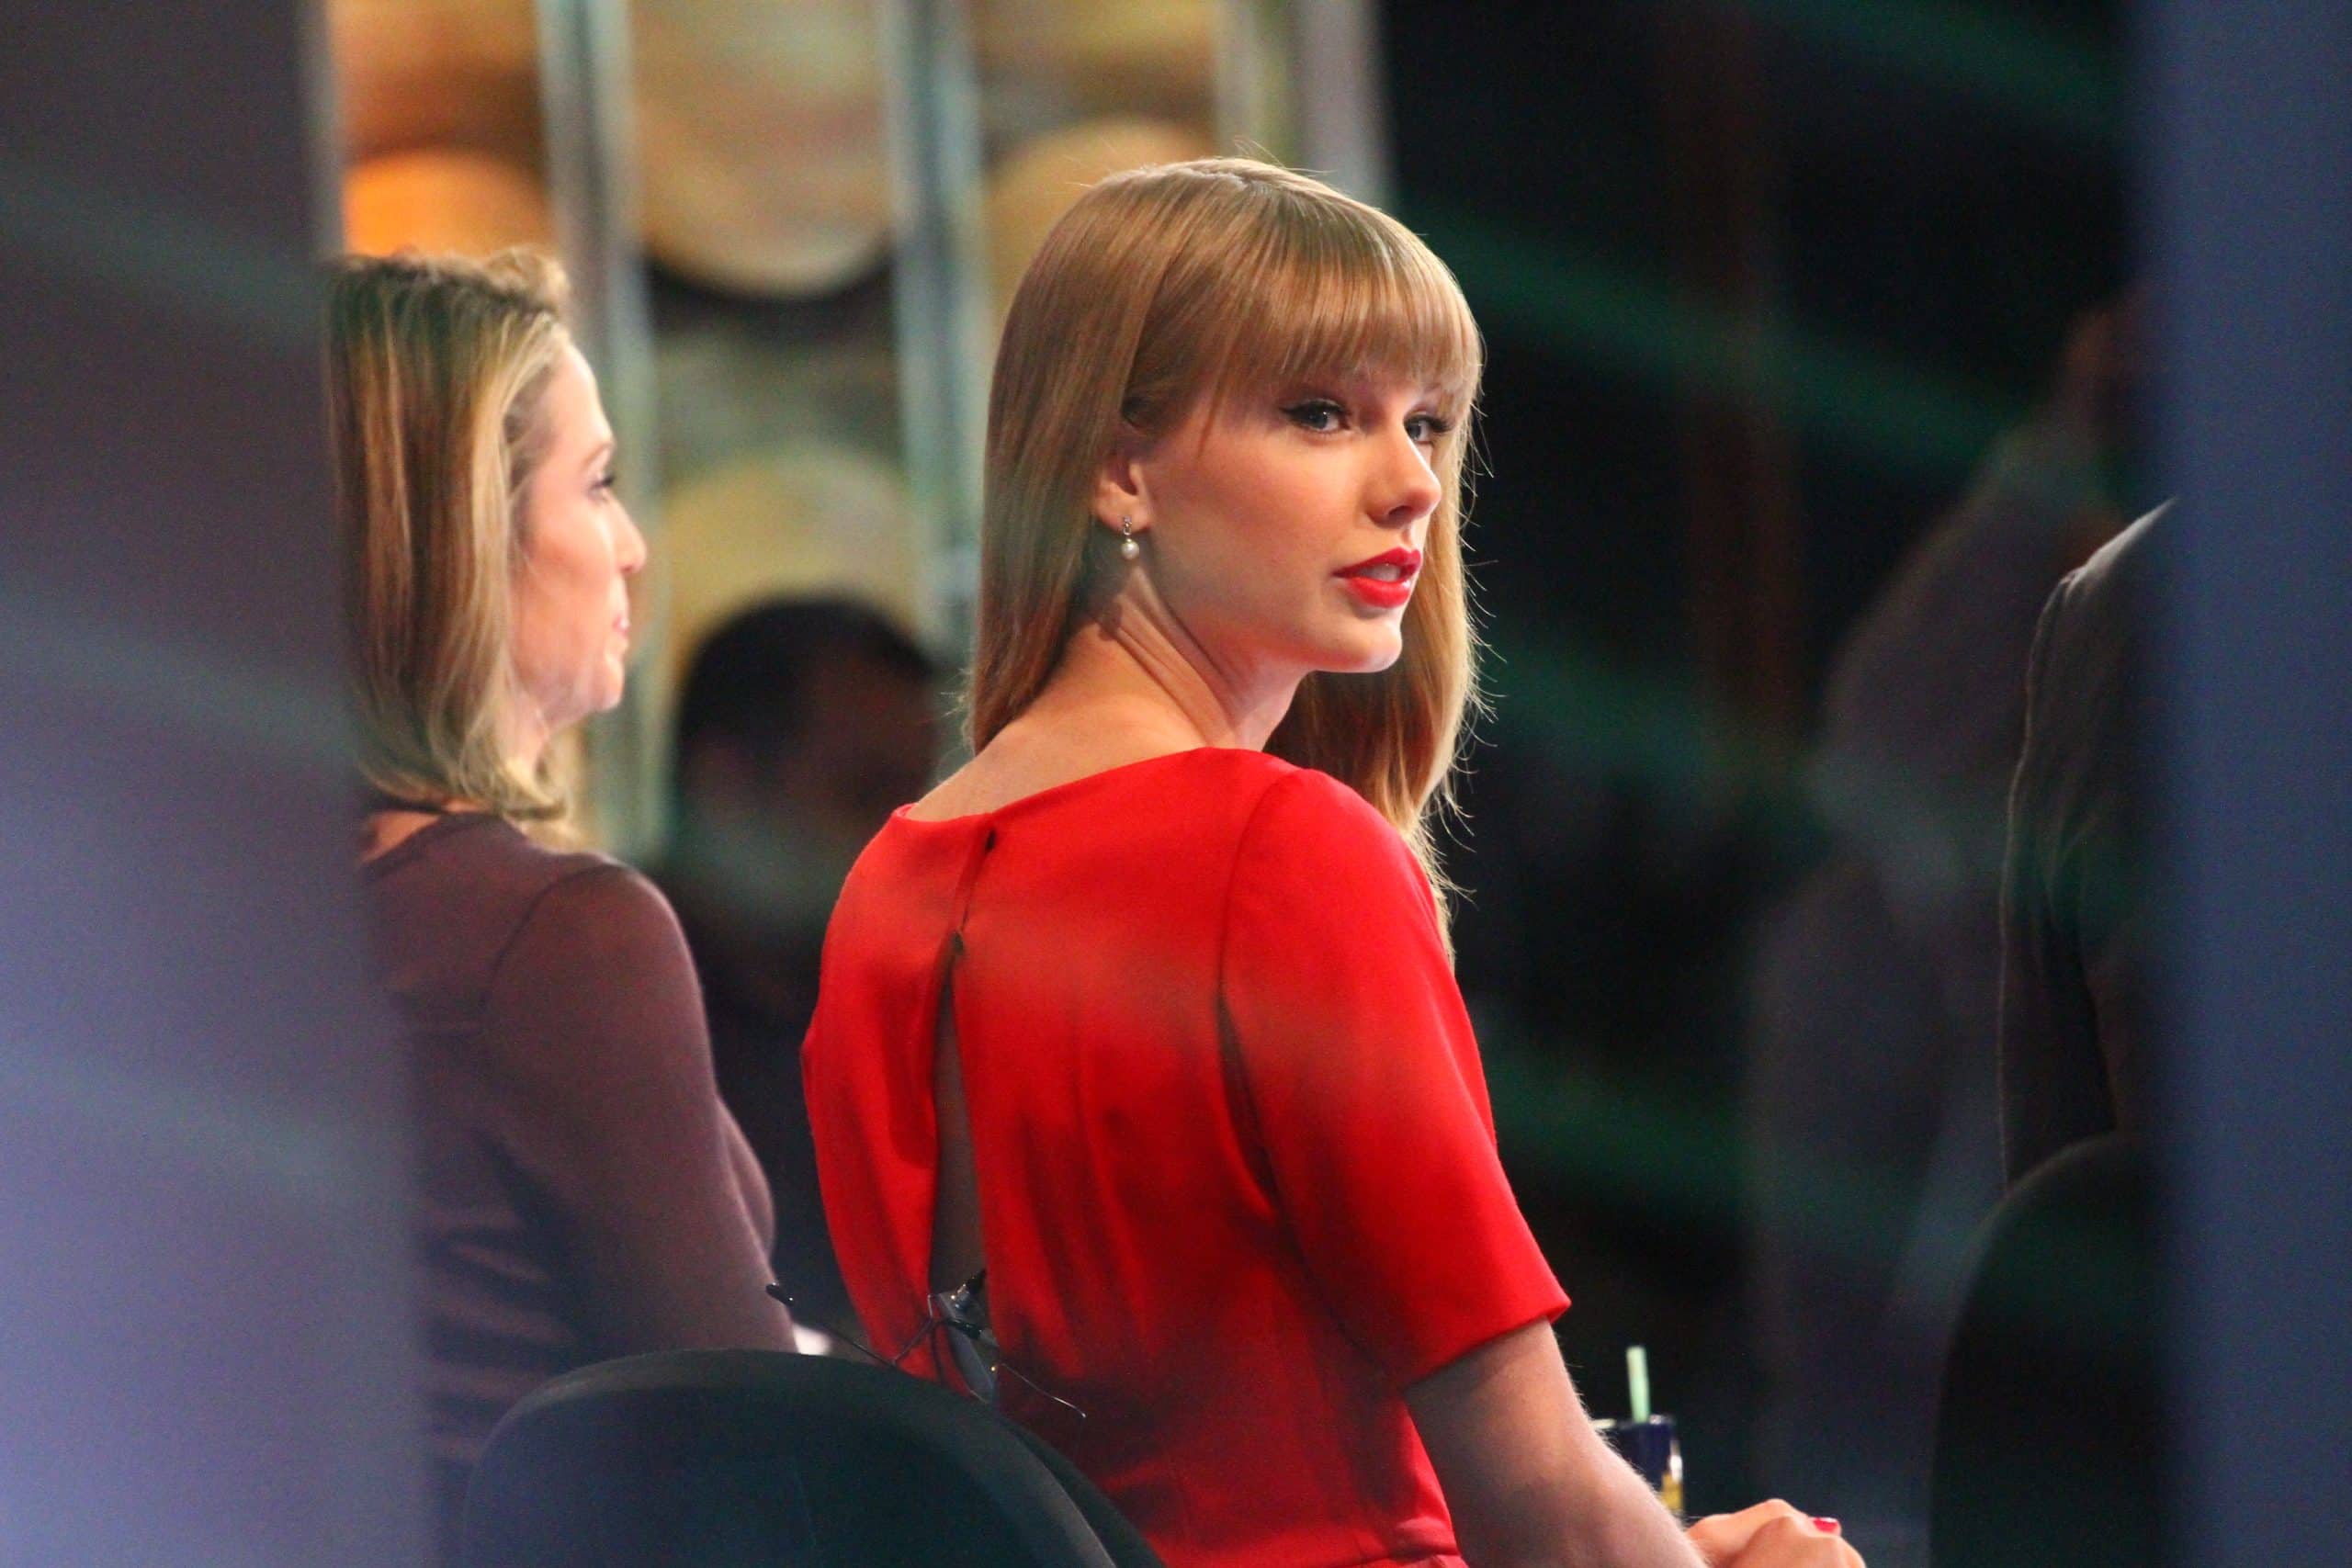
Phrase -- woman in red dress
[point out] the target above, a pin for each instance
(1140, 1029)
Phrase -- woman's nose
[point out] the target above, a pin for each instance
(629, 547)
(1410, 488)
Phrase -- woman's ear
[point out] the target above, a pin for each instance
(1119, 483)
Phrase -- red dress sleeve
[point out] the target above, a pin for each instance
(1350, 1046)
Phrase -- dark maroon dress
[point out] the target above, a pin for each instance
(583, 1193)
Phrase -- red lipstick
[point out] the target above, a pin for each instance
(1385, 581)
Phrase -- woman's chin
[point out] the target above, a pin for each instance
(587, 705)
(1383, 643)
(1364, 658)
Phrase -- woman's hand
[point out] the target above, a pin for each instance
(1771, 1535)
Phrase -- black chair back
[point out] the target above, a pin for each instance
(756, 1458)
(2048, 1437)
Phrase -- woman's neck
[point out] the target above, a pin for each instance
(524, 737)
(1134, 668)
(384, 831)
(1130, 685)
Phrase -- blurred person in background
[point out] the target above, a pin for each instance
(1878, 981)
(1138, 1056)
(583, 1193)
(2052, 1429)
(2075, 1026)
(801, 724)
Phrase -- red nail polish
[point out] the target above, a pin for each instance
(1826, 1526)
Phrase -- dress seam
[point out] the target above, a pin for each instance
(530, 912)
(1372, 1536)
(1225, 1013)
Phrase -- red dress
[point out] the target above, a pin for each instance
(1237, 1181)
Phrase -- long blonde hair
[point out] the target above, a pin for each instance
(1216, 278)
(437, 369)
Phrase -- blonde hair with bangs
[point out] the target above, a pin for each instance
(437, 368)
(1214, 279)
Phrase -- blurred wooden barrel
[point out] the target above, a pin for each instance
(796, 521)
(443, 199)
(438, 73)
(1031, 188)
(765, 168)
(1149, 57)
(731, 390)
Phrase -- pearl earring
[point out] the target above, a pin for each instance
(1128, 548)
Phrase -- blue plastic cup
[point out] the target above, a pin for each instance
(1651, 1447)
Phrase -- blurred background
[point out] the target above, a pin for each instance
(1813, 354)
(1817, 357)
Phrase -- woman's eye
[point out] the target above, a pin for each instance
(603, 485)
(1319, 414)
(1425, 428)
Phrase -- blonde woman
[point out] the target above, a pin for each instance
(1143, 1098)
(585, 1194)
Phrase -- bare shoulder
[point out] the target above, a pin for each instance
(1030, 756)
(980, 786)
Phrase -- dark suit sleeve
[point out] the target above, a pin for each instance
(2070, 988)
(615, 1115)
